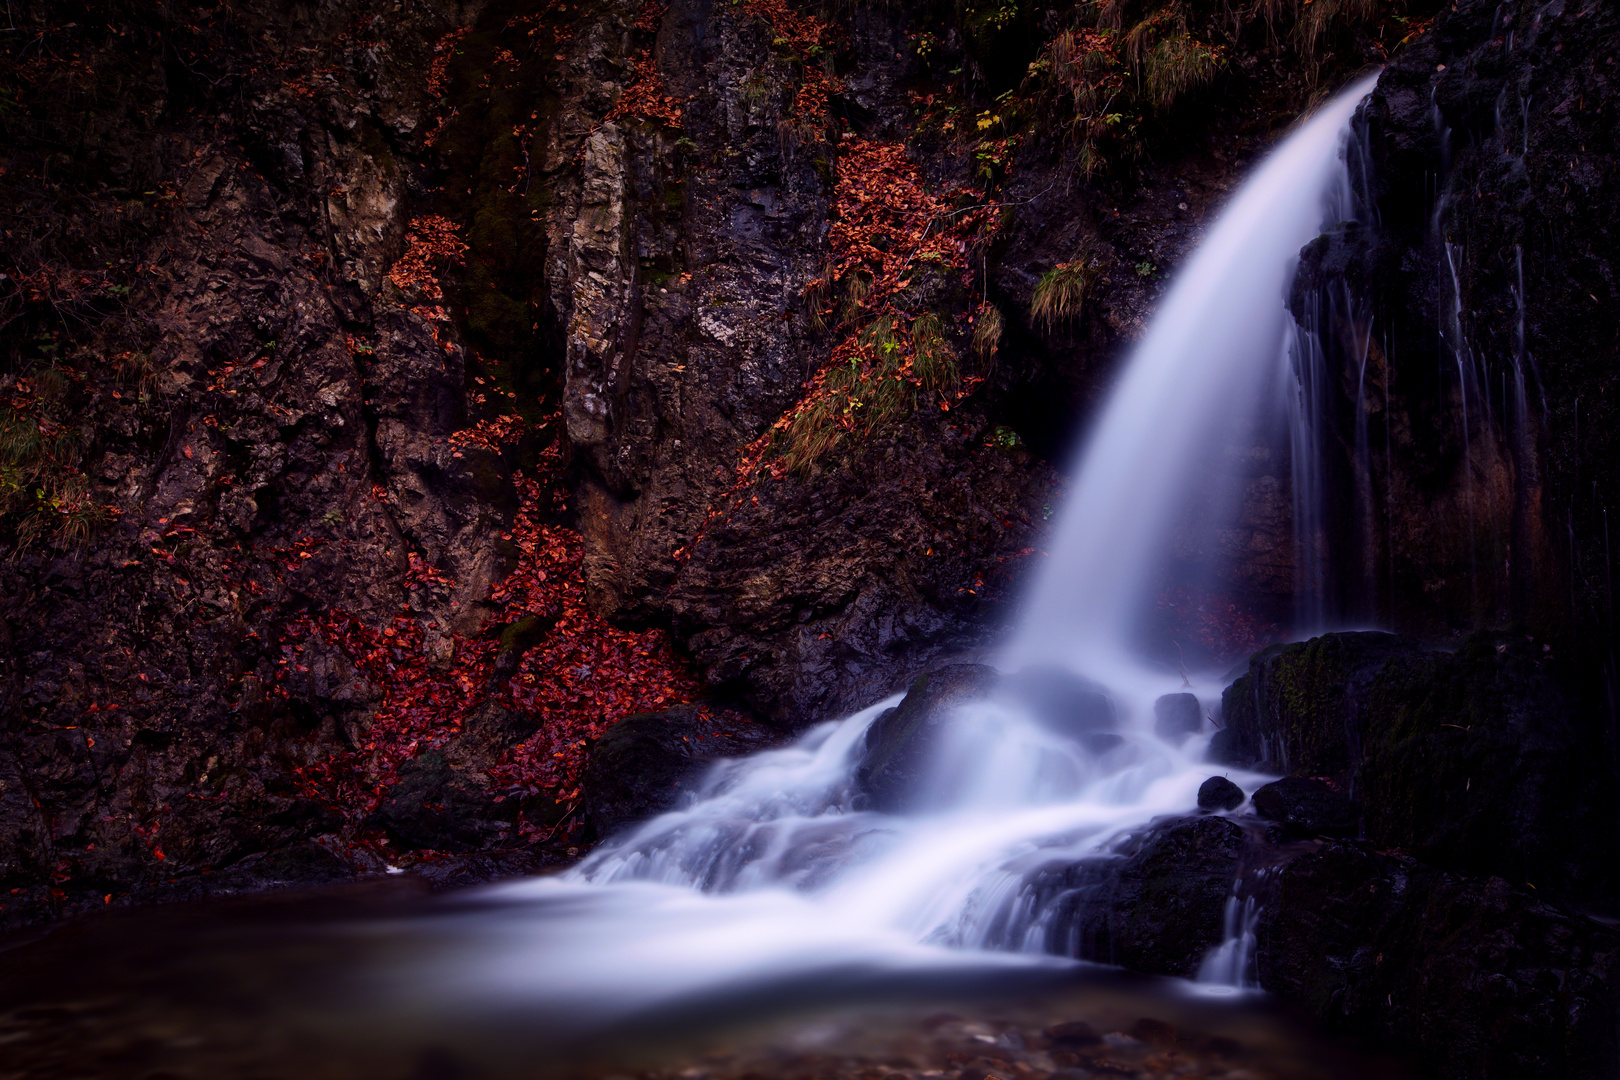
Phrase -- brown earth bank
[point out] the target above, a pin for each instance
(395, 400)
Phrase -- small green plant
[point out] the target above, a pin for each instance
(1003, 437)
(1145, 269)
(756, 88)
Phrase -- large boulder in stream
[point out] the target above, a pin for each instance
(1177, 716)
(1476, 760)
(899, 742)
(1156, 903)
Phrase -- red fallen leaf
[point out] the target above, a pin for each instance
(186, 450)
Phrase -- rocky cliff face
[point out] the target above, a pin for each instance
(381, 383)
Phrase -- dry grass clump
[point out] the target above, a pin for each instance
(987, 330)
(1060, 295)
(43, 495)
(878, 383)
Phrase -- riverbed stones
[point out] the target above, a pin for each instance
(1219, 793)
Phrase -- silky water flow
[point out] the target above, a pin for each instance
(772, 868)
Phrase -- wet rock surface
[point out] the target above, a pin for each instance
(1156, 904)
(900, 741)
(1307, 805)
(1468, 502)
(1479, 761)
(641, 767)
(1219, 793)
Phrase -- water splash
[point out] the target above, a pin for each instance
(775, 867)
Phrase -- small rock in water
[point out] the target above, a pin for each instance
(1101, 742)
(1307, 804)
(1061, 700)
(1219, 793)
(1073, 1033)
(1156, 1033)
(1176, 716)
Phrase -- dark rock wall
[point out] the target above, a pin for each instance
(1483, 285)
(253, 461)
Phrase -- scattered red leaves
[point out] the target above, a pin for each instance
(586, 673)
(887, 226)
(887, 222)
(580, 677)
(646, 98)
(492, 435)
(431, 241)
(438, 75)
(810, 39)
(650, 17)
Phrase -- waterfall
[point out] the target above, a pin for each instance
(1195, 378)
(775, 865)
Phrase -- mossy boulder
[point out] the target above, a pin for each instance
(1297, 709)
(1479, 760)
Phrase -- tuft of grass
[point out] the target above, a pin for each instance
(987, 331)
(875, 385)
(22, 444)
(818, 297)
(138, 370)
(44, 494)
(1177, 65)
(1060, 295)
(857, 287)
(935, 362)
(1317, 18)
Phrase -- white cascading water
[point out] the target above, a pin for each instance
(771, 870)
